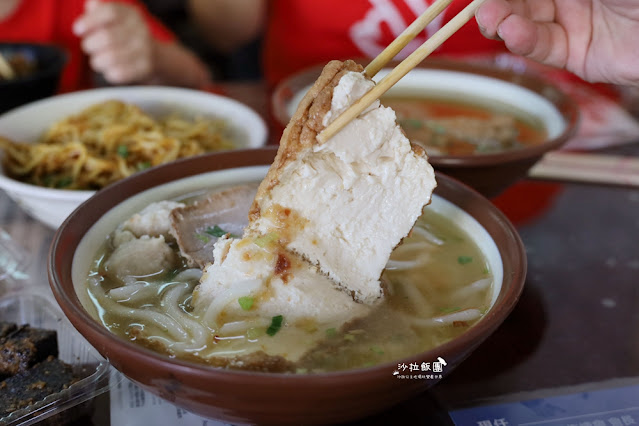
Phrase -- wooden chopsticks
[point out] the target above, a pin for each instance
(407, 64)
(406, 36)
(587, 167)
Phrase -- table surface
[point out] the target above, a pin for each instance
(577, 321)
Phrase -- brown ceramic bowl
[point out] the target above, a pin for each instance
(488, 173)
(266, 398)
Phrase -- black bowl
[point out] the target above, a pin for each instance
(48, 60)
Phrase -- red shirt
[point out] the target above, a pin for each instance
(51, 21)
(303, 33)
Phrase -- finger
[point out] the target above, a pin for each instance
(96, 15)
(130, 72)
(538, 10)
(490, 14)
(542, 42)
(104, 39)
(123, 65)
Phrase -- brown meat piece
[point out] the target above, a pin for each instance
(192, 225)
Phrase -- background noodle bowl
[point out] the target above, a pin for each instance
(445, 125)
(539, 118)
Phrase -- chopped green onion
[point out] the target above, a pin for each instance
(349, 337)
(267, 239)
(216, 231)
(331, 332)
(246, 302)
(276, 324)
(64, 182)
(377, 350)
(123, 151)
(449, 310)
(203, 237)
(143, 165)
(463, 260)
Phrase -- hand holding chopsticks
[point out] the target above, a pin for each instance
(407, 64)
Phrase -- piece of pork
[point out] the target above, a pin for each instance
(196, 227)
(343, 205)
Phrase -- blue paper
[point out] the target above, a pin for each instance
(609, 407)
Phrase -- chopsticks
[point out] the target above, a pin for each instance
(587, 167)
(6, 71)
(406, 65)
(406, 36)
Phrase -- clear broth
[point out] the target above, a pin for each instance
(417, 314)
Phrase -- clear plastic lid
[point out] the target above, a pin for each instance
(91, 369)
(14, 259)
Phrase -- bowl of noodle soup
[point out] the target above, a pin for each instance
(57, 152)
(451, 284)
(483, 125)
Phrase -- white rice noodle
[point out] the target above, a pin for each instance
(429, 236)
(401, 265)
(464, 316)
(193, 274)
(144, 316)
(415, 297)
(133, 293)
(472, 288)
(407, 249)
(239, 289)
(199, 333)
(240, 327)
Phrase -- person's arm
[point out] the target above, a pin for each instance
(591, 38)
(228, 24)
(121, 47)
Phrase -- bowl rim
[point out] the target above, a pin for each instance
(69, 234)
(10, 184)
(56, 66)
(565, 104)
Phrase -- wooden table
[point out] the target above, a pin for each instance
(577, 322)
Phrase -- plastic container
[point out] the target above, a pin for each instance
(42, 312)
(14, 260)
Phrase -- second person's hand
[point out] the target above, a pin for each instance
(117, 41)
(595, 39)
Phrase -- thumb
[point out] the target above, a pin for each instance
(541, 41)
(90, 5)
